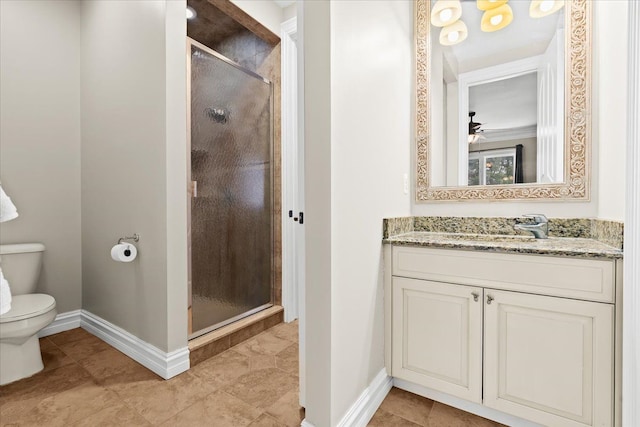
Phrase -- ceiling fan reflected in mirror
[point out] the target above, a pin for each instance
(475, 131)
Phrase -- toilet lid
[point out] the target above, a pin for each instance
(25, 306)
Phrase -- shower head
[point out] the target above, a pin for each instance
(218, 115)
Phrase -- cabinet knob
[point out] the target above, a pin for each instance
(489, 299)
(475, 296)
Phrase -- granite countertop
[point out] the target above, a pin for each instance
(555, 246)
(567, 237)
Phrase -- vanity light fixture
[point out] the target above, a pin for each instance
(541, 8)
(191, 13)
(446, 12)
(490, 4)
(496, 19)
(453, 34)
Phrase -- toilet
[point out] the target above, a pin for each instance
(30, 312)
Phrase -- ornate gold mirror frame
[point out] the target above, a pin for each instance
(577, 118)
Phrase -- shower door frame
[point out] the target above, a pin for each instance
(190, 191)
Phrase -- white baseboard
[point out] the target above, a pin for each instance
(369, 401)
(361, 412)
(166, 365)
(63, 322)
(462, 404)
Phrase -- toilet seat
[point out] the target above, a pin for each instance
(27, 306)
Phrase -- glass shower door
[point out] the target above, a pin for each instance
(231, 184)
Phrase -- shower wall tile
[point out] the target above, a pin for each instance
(271, 69)
(274, 320)
(209, 350)
(247, 332)
(244, 19)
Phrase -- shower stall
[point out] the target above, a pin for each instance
(231, 207)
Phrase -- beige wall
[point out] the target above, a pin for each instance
(314, 53)
(133, 173)
(357, 128)
(176, 171)
(289, 12)
(608, 134)
(40, 137)
(372, 45)
(610, 106)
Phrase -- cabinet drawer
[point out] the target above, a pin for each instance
(586, 279)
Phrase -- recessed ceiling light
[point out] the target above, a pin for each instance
(191, 13)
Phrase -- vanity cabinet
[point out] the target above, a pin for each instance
(548, 359)
(447, 318)
(500, 331)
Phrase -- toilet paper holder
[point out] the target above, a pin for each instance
(135, 238)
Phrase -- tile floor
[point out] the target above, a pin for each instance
(403, 409)
(86, 382)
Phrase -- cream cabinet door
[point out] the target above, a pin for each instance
(549, 360)
(437, 336)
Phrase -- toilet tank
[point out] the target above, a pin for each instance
(21, 265)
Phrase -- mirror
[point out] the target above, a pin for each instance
(502, 114)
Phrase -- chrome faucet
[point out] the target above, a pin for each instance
(540, 229)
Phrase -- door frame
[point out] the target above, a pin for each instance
(293, 236)
(631, 289)
(290, 171)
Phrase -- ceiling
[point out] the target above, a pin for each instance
(524, 37)
(284, 3)
(505, 104)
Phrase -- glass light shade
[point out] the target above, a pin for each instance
(191, 13)
(541, 8)
(473, 138)
(453, 34)
(445, 12)
(491, 20)
(490, 4)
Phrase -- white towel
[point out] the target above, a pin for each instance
(5, 295)
(8, 210)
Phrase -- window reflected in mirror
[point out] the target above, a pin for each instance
(493, 167)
